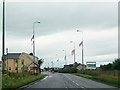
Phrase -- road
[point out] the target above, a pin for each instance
(60, 80)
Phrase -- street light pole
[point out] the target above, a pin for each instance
(3, 46)
(82, 49)
(65, 57)
(34, 39)
(74, 49)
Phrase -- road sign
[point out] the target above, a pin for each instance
(91, 65)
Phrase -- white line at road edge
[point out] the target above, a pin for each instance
(45, 78)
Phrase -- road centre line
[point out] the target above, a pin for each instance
(76, 83)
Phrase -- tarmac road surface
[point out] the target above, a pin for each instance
(61, 80)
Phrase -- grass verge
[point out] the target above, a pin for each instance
(14, 81)
(102, 78)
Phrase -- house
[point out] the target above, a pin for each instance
(68, 66)
(21, 62)
(76, 65)
(80, 67)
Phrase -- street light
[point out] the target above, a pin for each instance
(82, 48)
(65, 57)
(3, 37)
(34, 38)
(81, 32)
(74, 49)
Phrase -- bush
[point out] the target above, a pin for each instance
(68, 70)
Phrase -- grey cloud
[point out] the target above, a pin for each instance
(56, 17)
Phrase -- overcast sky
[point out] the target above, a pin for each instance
(59, 21)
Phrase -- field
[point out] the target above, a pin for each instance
(13, 81)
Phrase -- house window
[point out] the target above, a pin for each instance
(9, 68)
(24, 68)
(31, 68)
(22, 62)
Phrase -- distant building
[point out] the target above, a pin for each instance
(76, 65)
(68, 66)
(80, 67)
(21, 62)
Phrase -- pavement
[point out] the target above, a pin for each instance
(60, 80)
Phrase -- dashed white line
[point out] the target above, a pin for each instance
(77, 84)
(82, 87)
(36, 83)
(73, 81)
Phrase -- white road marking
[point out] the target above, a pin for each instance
(77, 84)
(82, 87)
(73, 81)
(50, 76)
(45, 78)
(36, 83)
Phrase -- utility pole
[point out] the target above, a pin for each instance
(3, 41)
(7, 60)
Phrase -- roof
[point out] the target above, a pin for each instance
(17, 56)
(12, 56)
(32, 58)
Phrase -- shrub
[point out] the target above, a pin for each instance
(68, 70)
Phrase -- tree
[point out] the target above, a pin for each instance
(111, 66)
(40, 63)
(116, 64)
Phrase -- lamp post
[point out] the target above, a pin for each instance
(65, 57)
(74, 49)
(34, 39)
(3, 37)
(82, 48)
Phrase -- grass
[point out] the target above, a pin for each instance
(108, 79)
(13, 81)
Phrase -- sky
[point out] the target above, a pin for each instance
(58, 24)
